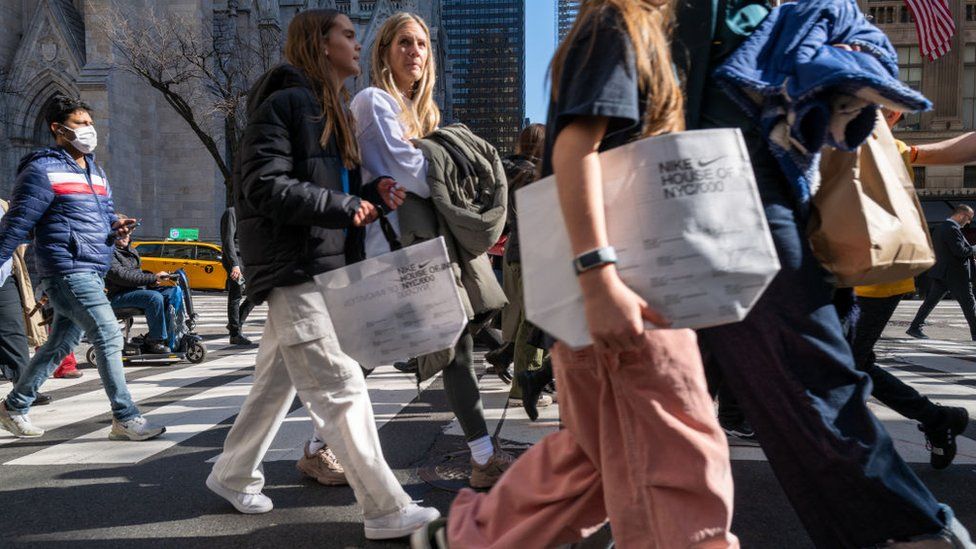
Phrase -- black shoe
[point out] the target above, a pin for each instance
(502, 357)
(42, 399)
(940, 437)
(739, 429)
(411, 366)
(533, 384)
(916, 332)
(238, 339)
(490, 338)
(432, 536)
(155, 348)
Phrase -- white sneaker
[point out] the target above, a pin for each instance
(400, 523)
(18, 424)
(249, 504)
(137, 428)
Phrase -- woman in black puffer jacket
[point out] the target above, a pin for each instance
(298, 216)
(294, 205)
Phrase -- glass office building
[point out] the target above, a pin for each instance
(486, 53)
(566, 11)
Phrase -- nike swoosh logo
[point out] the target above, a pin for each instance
(422, 265)
(703, 163)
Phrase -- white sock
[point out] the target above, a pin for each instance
(481, 449)
(315, 444)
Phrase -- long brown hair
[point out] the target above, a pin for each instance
(531, 141)
(421, 116)
(305, 49)
(648, 25)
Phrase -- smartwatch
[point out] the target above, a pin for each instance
(594, 258)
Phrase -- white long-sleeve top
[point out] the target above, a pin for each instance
(385, 152)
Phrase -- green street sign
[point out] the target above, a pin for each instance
(177, 233)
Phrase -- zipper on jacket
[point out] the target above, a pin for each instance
(87, 173)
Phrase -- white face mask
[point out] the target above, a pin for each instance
(85, 139)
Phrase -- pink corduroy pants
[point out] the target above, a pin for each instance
(641, 446)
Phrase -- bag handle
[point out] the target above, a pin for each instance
(389, 233)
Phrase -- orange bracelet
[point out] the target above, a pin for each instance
(914, 153)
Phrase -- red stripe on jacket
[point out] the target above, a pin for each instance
(77, 188)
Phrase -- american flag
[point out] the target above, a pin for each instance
(934, 26)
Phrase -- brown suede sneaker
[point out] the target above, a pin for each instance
(485, 476)
(323, 466)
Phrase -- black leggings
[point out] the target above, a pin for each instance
(461, 385)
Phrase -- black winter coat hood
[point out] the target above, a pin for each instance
(294, 199)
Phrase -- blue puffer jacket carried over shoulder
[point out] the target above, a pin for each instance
(805, 92)
(69, 209)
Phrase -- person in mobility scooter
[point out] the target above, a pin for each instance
(168, 309)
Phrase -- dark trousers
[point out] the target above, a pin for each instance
(729, 411)
(238, 307)
(793, 373)
(461, 387)
(14, 352)
(961, 292)
(872, 315)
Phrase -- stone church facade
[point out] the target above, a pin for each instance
(158, 169)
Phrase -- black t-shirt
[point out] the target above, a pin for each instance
(601, 82)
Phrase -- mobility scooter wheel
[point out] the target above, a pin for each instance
(196, 352)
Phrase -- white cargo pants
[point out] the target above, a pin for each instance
(299, 352)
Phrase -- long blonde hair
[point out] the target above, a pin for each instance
(648, 25)
(421, 116)
(305, 49)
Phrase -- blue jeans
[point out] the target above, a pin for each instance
(793, 374)
(80, 306)
(153, 303)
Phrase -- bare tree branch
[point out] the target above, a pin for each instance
(203, 75)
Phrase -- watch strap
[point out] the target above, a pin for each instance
(594, 258)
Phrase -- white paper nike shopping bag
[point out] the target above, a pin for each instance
(395, 306)
(684, 215)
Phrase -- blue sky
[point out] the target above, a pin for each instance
(540, 43)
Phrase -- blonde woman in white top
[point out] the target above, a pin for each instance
(397, 108)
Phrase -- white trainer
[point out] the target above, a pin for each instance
(137, 428)
(400, 523)
(18, 424)
(249, 504)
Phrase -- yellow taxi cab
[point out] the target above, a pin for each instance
(200, 260)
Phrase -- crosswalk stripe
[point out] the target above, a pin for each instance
(390, 391)
(908, 440)
(183, 419)
(87, 405)
(944, 363)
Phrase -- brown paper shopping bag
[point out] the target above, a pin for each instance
(867, 225)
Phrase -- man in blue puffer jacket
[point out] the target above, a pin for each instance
(63, 196)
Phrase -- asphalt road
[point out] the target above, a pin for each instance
(73, 488)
